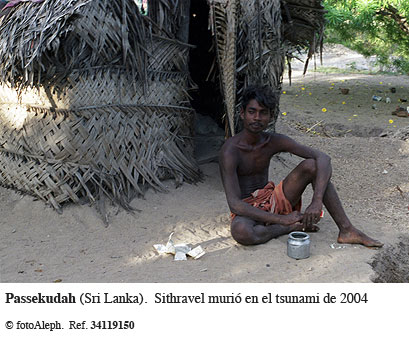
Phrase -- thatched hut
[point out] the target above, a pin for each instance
(96, 97)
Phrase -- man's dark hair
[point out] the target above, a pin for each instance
(262, 94)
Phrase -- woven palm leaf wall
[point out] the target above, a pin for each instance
(93, 102)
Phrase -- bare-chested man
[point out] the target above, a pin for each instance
(274, 210)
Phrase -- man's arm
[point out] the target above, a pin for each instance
(228, 168)
(323, 174)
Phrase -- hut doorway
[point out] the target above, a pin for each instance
(202, 65)
(207, 99)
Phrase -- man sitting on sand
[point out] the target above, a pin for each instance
(262, 211)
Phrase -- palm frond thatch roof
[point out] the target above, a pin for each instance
(46, 41)
(303, 26)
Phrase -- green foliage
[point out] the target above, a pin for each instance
(371, 27)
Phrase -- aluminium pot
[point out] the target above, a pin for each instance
(298, 245)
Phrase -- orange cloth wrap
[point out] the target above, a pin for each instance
(271, 198)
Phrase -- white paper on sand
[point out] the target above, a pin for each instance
(197, 252)
(179, 250)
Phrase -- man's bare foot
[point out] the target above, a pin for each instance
(298, 226)
(313, 228)
(355, 236)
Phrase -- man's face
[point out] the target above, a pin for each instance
(255, 117)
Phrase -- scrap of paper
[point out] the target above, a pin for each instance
(179, 250)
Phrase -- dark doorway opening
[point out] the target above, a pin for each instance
(207, 99)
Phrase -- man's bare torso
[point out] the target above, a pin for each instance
(252, 162)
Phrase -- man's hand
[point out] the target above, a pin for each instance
(312, 215)
(292, 218)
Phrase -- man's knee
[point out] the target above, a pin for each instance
(309, 166)
(243, 233)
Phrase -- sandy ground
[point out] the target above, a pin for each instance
(370, 172)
